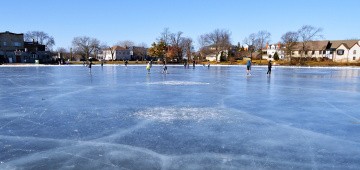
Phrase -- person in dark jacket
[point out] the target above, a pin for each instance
(248, 67)
(269, 67)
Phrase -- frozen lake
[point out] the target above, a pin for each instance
(63, 117)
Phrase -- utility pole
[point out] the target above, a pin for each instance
(71, 54)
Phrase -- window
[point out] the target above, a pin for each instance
(4, 43)
(340, 52)
(354, 58)
(17, 44)
(313, 52)
(320, 52)
(354, 52)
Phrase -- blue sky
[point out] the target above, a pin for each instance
(142, 21)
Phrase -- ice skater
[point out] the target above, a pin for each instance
(269, 68)
(151, 62)
(126, 63)
(164, 69)
(90, 64)
(248, 67)
(148, 67)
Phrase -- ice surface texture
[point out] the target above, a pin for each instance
(63, 117)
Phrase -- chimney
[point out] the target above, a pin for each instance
(279, 45)
(267, 45)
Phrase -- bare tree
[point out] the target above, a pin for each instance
(112, 51)
(308, 33)
(144, 45)
(251, 42)
(165, 36)
(263, 37)
(176, 41)
(186, 44)
(126, 43)
(140, 51)
(85, 45)
(218, 40)
(61, 50)
(40, 37)
(290, 40)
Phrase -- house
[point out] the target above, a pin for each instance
(217, 56)
(213, 53)
(13, 49)
(34, 51)
(122, 53)
(270, 50)
(313, 49)
(336, 50)
(347, 51)
(116, 53)
(10, 46)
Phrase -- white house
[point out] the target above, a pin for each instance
(211, 57)
(348, 52)
(270, 50)
(217, 57)
(337, 50)
(313, 49)
(354, 52)
(116, 53)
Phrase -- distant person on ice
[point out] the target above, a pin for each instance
(90, 63)
(269, 67)
(164, 69)
(148, 66)
(248, 67)
(126, 63)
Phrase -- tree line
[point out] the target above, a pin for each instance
(176, 47)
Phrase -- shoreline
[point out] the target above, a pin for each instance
(178, 65)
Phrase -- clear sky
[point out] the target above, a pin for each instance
(142, 21)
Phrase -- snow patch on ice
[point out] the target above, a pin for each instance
(166, 114)
(178, 83)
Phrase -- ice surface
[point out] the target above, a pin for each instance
(64, 117)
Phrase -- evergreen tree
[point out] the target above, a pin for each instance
(276, 56)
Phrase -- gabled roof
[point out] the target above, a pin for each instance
(312, 45)
(347, 43)
(358, 44)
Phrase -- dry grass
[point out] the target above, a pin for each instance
(243, 62)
